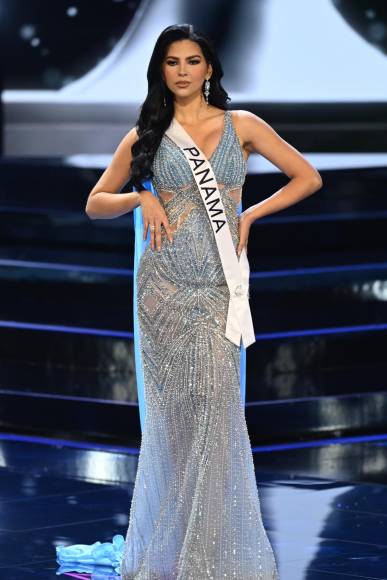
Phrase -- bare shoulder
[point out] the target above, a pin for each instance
(123, 152)
(118, 172)
(247, 125)
(130, 138)
(247, 117)
(258, 136)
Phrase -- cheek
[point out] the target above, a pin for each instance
(198, 73)
(167, 73)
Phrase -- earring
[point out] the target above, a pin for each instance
(165, 104)
(207, 89)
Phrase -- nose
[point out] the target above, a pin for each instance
(182, 72)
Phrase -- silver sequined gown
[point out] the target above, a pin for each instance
(195, 512)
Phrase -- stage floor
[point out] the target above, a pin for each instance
(324, 506)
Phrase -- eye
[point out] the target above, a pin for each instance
(193, 61)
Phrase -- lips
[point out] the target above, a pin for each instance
(182, 84)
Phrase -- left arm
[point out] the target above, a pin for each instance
(259, 137)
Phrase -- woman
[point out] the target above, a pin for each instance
(195, 512)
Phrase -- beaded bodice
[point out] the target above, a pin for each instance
(176, 187)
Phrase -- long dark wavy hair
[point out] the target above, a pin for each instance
(155, 118)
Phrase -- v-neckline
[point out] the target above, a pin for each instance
(219, 142)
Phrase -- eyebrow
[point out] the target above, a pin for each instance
(187, 57)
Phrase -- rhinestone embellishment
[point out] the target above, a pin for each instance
(240, 290)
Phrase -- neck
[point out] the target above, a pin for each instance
(190, 112)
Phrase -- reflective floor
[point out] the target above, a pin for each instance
(55, 492)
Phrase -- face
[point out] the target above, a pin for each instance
(184, 61)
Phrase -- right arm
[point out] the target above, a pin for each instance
(103, 201)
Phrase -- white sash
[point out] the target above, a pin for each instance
(237, 272)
